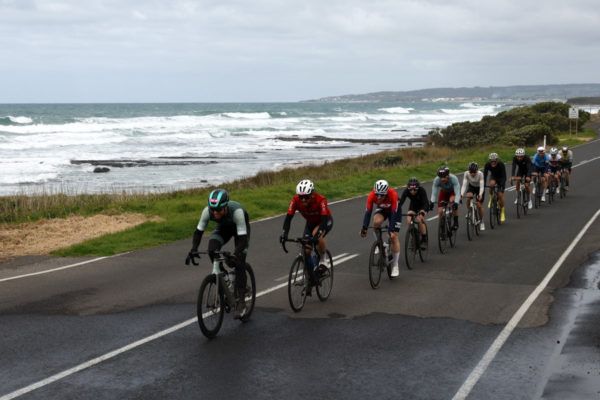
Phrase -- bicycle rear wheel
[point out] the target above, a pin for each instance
(297, 284)
(493, 211)
(210, 308)
(376, 264)
(476, 219)
(519, 204)
(442, 235)
(410, 247)
(470, 224)
(325, 279)
(250, 297)
(452, 234)
(551, 190)
(538, 193)
(423, 252)
(524, 201)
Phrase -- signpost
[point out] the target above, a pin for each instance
(573, 115)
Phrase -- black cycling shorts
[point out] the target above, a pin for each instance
(309, 228)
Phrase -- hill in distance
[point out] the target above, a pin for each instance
(525, 92)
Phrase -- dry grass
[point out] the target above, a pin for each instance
(44, 236)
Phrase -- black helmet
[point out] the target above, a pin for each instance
(443, 171)
(217, 199)
(413, 183)
(473, 167)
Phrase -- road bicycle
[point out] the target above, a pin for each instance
(413, 242)
(552, 185)
(539, 190)
(380, 256)
(306, 272)
(473, 219)
(563, 183)
(445, 233)
(522, 198)
(495, 212)
(217, 294)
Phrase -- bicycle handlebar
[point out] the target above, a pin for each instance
(196, 254)
(300, 240)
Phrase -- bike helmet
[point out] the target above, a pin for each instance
(493, 156)
(217, 199)
(381, 187)
(565, 149)
(473, 167)
(413, 183)
(554, 151)
(541, 149)
(443, 171)
(520, 152)
(305, 187)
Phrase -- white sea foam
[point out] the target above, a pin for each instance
(397, 110)
(20, 120)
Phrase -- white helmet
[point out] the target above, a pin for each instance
(541, 149)
(493, 156)
(381, 187)
(554, 151)
(305, 187)
(520, 152)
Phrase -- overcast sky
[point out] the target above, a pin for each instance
(287, 50)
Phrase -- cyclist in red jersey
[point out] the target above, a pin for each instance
(313, 208)
(386, 202)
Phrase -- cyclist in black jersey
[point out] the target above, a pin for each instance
(232, 221)
(498, 177)
(522, 165)
(419, 205)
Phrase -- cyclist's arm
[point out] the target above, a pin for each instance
(502, 171)
(242, 231)
(456, 188)
(465, 183)
(204, 218)
(481, 184)
(435, 189)
(324, 215)
(514, 167)
(396, 214)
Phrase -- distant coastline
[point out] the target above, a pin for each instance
(492, 93)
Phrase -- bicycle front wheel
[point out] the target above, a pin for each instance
(493, 211)
(519, 204)
(297, 284)
(376, 264)
(250, 297)
(442, 235)
(325, 279)
(410, 247)
(424, 247)
(470, 224)
(210, 307)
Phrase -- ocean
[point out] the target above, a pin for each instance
(50, 148)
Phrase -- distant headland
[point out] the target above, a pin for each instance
(524, 92)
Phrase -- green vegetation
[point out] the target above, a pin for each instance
(268, 193)
(523, 126)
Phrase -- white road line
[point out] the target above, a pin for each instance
(489, 356)
(131, 346)
(59, 268)
(334, 258)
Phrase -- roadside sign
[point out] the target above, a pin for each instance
(573, 113)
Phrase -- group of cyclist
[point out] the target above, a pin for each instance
(383, 204)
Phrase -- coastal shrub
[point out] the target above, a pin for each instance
(389, 161)
(530, 135)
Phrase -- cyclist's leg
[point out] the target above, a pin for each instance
(322, 244)
(454, 209)
(443, 196)
(216, 240)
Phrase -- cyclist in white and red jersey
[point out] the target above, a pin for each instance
(313, 208)
(385, 201)
(473, 186)
(555, 165)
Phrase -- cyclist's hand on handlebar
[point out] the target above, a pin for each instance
(431, 206)
(363, 231)
(190, 257)
(283, 237)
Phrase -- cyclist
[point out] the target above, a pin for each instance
(523, 163)
(498, 177)
(386, 202)
(566, 159)
(319, 222)
(232, 221)
(539, 164)
(445, 187)
(418, 207)
(555, 166)
(473, 185)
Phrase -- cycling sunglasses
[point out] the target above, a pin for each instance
(305, 196)
(411, 188)
(217, 209)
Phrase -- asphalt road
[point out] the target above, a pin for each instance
(123, 326)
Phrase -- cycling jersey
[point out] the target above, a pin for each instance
(555, 162)
(568, 158)
(476, 182)
(418, 201)
(498, 172)
(524, 166)
(315, 212)
(450, 187)
(236, 219)
(540, 164)
(387, 205)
